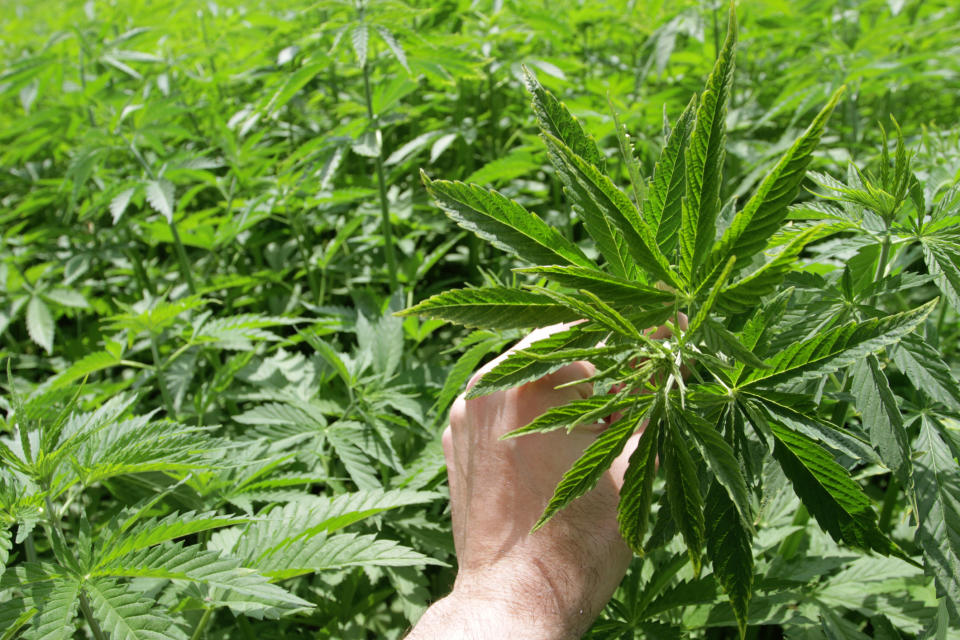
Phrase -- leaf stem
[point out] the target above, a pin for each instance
(158, 372)
(202, 624)
(91, 620)
(182, 257)
(381, 186)
(58, 532)
(30, 548)
(889, 502)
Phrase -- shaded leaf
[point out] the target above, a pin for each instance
(730, 551)
(938, 501)
(881, 417)
(837, 502)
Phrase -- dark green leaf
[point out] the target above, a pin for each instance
(683, 490)
(763, 214)
(721, 461)
(943, 261)
(730, 551)
(586, 411)
(504, 223)
(610, 218)
(493, 308)
(788, 409)
(747, 292)
(615, 291)
(881, 417)
(523, 366)
(704, 160)
(636, 494)
(827, 491)
(833, 350)
(663, 208)
(938, 502)
(554, 119)
(924, 367)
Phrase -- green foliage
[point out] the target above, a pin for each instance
(214, 426)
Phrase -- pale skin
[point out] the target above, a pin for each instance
(547, 585)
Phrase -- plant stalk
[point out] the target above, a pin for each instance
(182, 258)
(202, 625)
(158, 372)
(382, 187)
(84, 602)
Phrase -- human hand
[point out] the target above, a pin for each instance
(511, 583)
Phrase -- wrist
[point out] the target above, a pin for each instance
(478, 614)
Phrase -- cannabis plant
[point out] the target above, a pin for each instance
(752, 363)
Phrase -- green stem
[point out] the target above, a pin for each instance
(300, 233)
(202, 625)
(98, 633)
(206, 45)
(158, 372)
(30, 548)
(382, 187)
(58, 531)
(889, 502)
(182, 257)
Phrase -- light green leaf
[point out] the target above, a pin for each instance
(66, 298)
(943, 261)
(826, 490)
(493, 308)
(683, 490)
(326, 553)
(57, 617)
(938, 501)
(504, 223)
(595, 460)
(636, 494)
(360, 37)
(40, 324)
(764, 213)
(393, 45)
(119, 203)
(881, 417)
(292, 84)
(160, 195)
(840, 347)
(664, 205)
(730, 551)
(128, 615)
(704, 160)
(554, 119)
